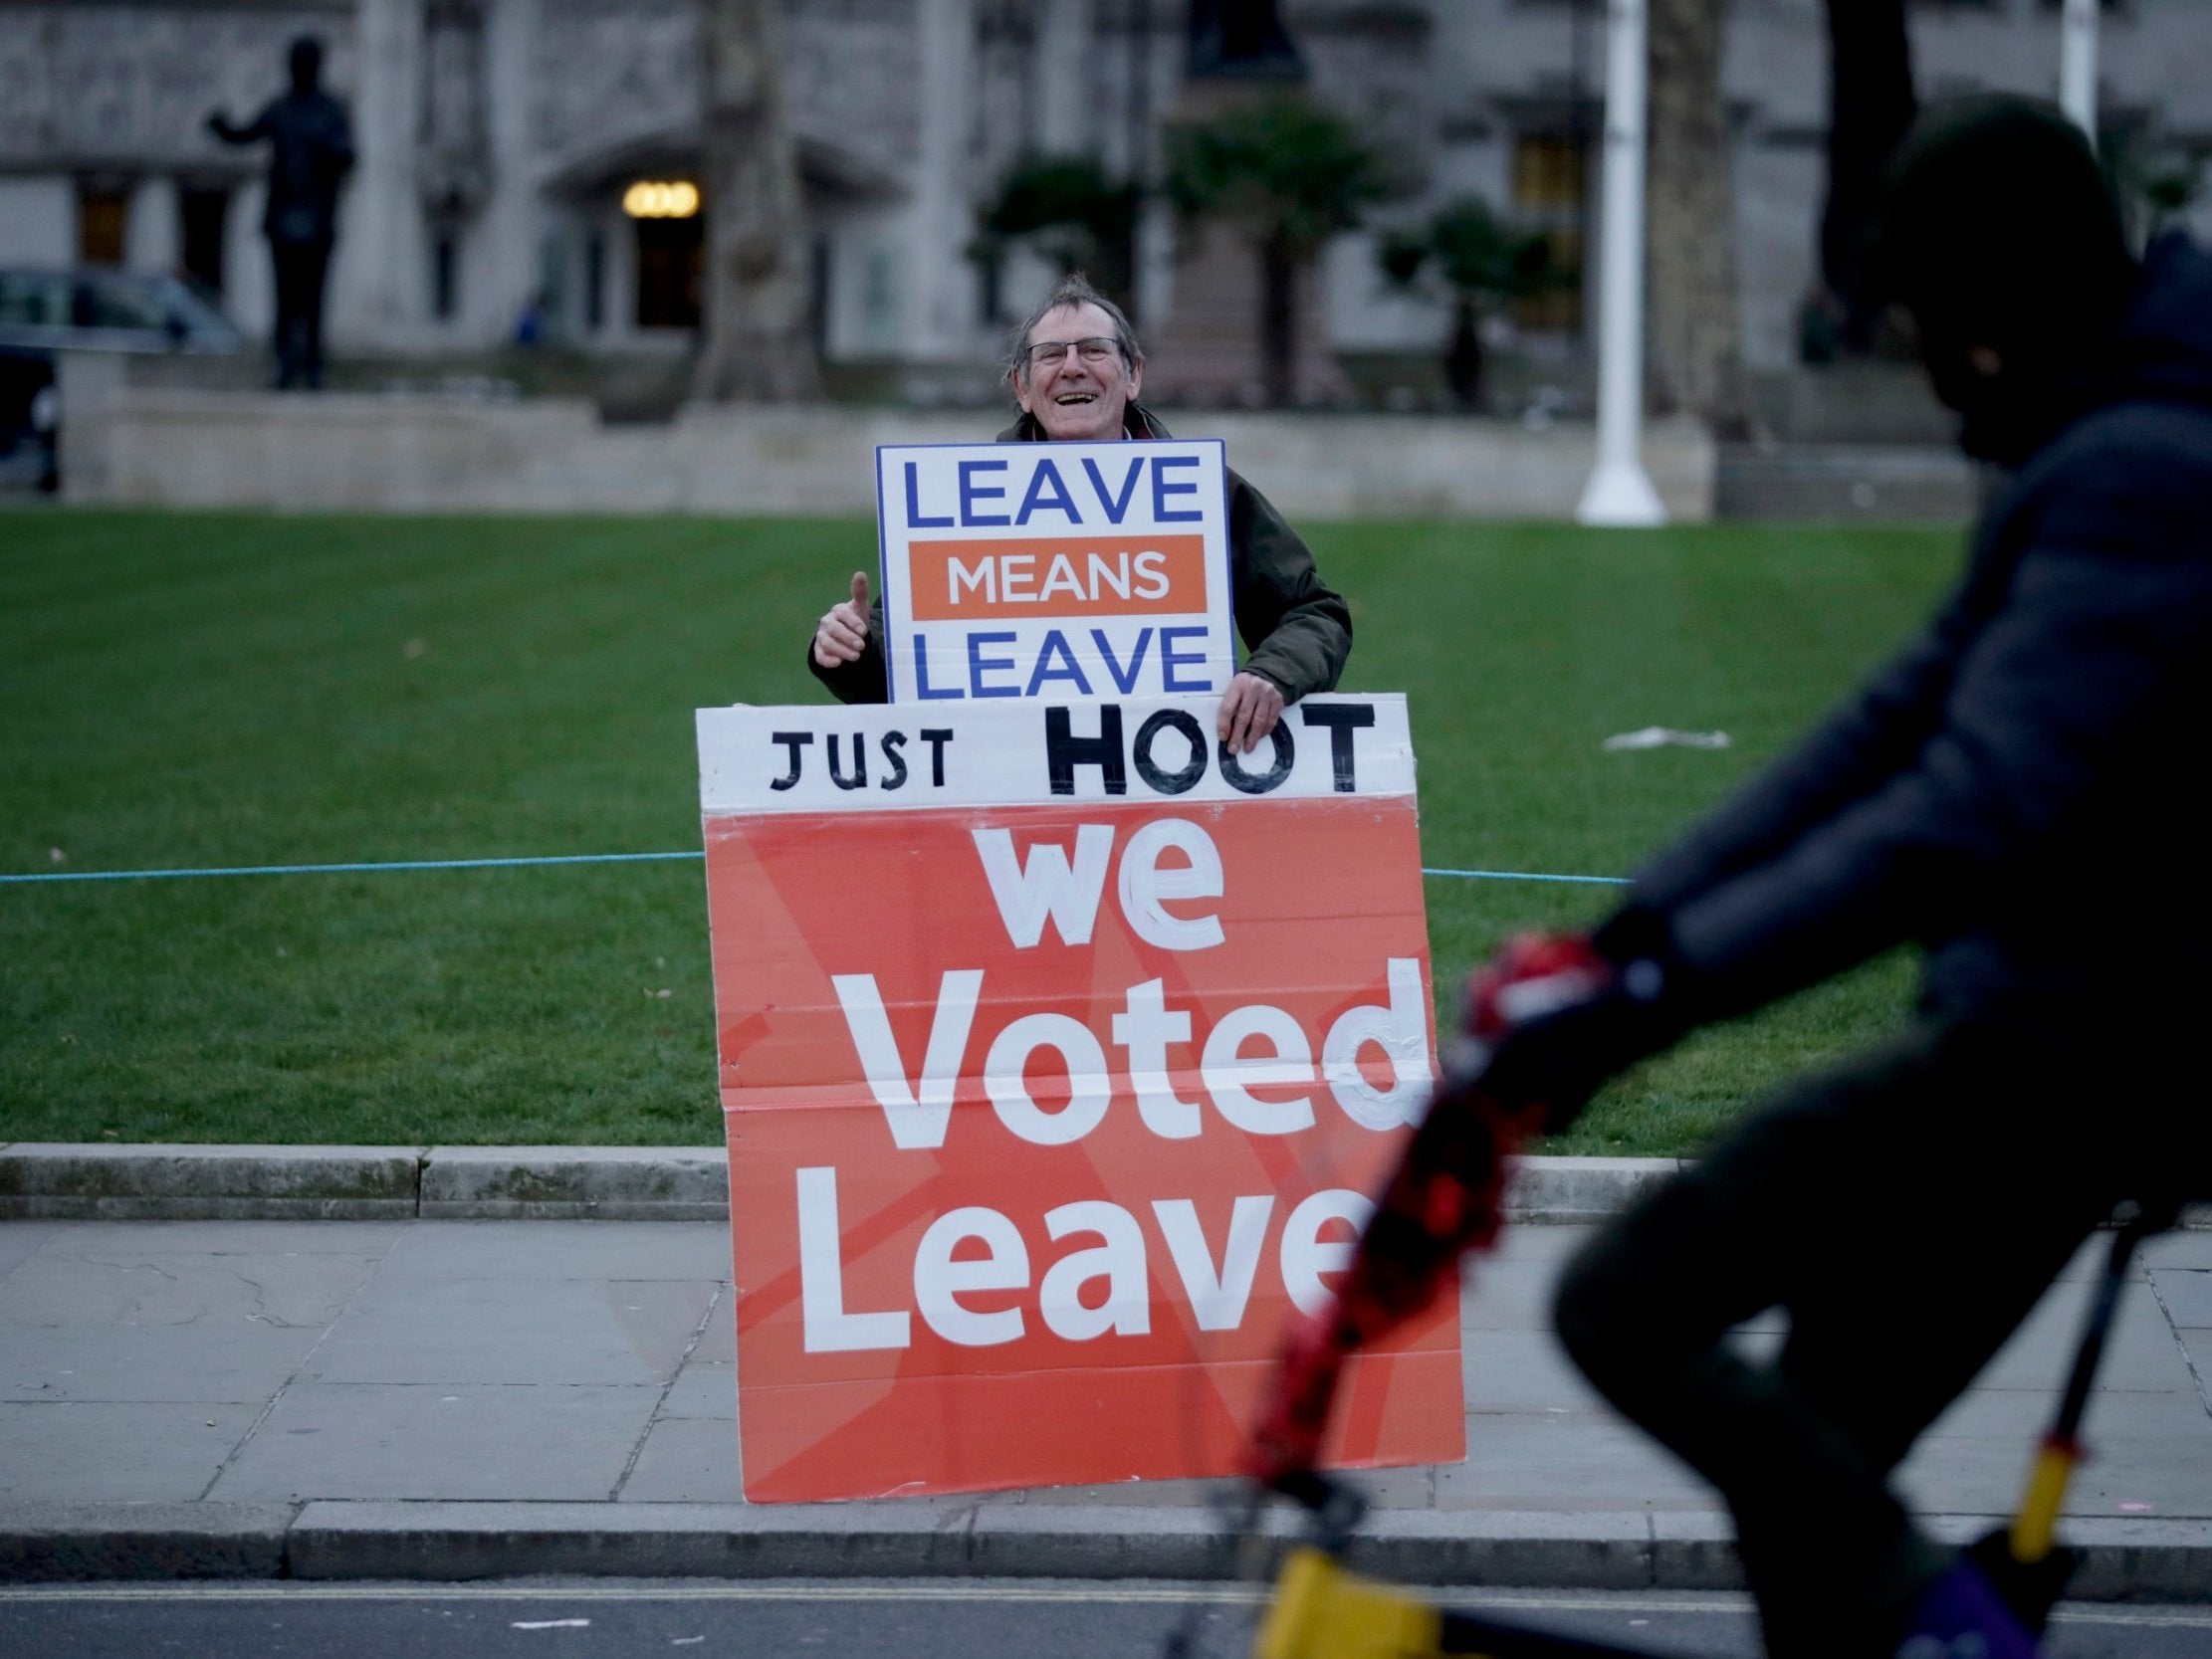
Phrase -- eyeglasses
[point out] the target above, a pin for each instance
(1049, 353)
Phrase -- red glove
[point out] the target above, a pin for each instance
(1536, 982)
(1553, 1018)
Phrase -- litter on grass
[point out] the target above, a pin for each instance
(1663, 737)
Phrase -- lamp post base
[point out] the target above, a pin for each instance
(1619, 493)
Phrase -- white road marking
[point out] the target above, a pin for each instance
(1225, 1595)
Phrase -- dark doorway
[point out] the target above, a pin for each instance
(671, 254)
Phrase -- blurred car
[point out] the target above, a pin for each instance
(43, 312)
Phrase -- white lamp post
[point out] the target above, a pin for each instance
(1618, 491)
(2077, 64)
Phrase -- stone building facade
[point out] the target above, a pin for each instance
(499, 140)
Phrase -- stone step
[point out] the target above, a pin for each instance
(1853, 482)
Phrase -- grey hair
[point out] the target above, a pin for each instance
(1074, 289)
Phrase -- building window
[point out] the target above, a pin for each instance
(102, 223)
(1547, 172)
(1550, 195)
(203, 212)
(879, 309)
(1241, 39)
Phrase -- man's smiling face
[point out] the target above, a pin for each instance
(1077, 398)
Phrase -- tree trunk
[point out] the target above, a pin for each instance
(1870, 106)
(1279, 323)
(759, 344)
(1463, 357)
(1697, 364)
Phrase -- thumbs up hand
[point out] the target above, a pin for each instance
(842, 634)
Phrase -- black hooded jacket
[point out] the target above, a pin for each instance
(2012, 791)
(1297, 630)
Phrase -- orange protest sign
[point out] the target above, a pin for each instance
(1058, 1051)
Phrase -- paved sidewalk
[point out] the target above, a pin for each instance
(431, 1398)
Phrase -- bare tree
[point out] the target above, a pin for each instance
(1697, 363)
(1870, 104)
(759, 344)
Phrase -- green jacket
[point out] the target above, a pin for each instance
(1297, 630)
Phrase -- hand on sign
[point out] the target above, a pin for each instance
(1249, 709)
(842, 634)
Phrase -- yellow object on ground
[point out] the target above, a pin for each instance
(1321, 1611)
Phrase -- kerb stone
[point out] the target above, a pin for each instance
(450, 1541)
(49, 1542)
(1580, 1189)
(63, 1181)
(607, 1183)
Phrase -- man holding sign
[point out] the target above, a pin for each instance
(1075, 369)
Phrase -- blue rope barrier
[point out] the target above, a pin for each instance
(1528, 875)
(582, 858)
(345, 869)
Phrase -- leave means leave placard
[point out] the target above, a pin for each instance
(1028, 570)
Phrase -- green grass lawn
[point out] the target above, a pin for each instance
(202, 690)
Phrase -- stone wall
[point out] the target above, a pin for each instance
(166, 448)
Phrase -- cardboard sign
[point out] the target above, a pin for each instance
(1055, 570)
(1058, 1051)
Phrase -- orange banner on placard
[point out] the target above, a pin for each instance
(1042, 1118)
(1059, 577)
